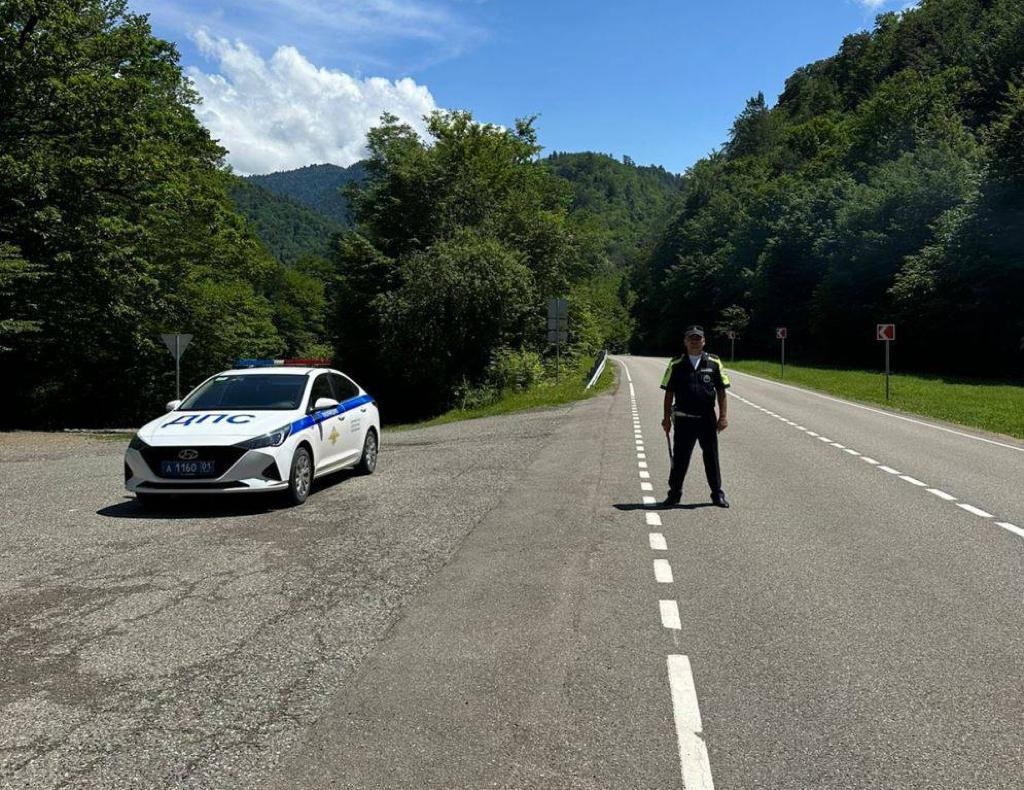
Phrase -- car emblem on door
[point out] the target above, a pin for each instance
(188, 455)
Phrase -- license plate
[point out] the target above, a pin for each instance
(186, 468)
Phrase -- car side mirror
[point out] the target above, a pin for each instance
(173, 404)
(324, 403)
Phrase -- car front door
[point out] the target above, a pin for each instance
(327, 432)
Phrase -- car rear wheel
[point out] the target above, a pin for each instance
(368, 461)
(300, 480)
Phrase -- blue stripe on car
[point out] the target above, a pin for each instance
(312, 419)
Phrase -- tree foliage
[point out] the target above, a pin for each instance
(460, 241)
(885, 184)
(115, 198)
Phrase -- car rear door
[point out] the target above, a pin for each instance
(355, 419)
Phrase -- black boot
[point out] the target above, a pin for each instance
(672, 499)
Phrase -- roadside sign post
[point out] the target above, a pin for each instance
(176, 344)
(558, 329)
(886, 332)
(731, 334)
(780, 334)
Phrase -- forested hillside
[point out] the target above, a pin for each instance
(319, 187)
(289, 229)
(887, 183)
(621, 203)
(117, 224)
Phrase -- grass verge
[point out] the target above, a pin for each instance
(572, 387)
(992, 406)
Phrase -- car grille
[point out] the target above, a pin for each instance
(223, 457)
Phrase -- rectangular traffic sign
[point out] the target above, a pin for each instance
(885, 331)
(558, 308)
(780, 333)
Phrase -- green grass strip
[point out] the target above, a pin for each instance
(992, 406)
(571, 387)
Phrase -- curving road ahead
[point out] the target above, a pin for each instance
(500, 607)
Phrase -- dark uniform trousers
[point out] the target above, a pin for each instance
(689, 431)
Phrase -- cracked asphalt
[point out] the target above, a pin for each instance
(188, 649)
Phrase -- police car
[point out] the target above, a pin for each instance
(266, 425)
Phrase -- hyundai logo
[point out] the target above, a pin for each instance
(188, 455)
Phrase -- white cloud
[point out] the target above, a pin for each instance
(872, 4)
(285, 112)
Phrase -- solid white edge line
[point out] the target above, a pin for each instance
(975, 510)
(653, 519)
(883, 413)
(941, 494)
(657, 541)
(663, 572)
(693, 751)
(670, 615)
(1011, 527)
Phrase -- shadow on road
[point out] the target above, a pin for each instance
(659, 506)
(215, 505)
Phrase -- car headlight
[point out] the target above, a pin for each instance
(272, 439)
(137, 444)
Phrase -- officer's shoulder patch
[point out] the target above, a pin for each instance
(716, 358)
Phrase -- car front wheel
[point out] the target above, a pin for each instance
(301, 478)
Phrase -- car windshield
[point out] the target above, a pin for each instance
(252, 392)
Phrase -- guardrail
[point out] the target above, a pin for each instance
(597, 369)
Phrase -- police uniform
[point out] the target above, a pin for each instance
(693, 411)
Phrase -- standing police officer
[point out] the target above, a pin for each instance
(695, 381)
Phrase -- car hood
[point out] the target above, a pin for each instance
(212, 427)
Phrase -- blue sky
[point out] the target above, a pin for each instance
(298, 81)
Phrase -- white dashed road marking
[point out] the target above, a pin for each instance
(888, 469)
(1010, 527)
(653, 519)
(693, 752)
(657, 541)
(670, 615)
(663, 572)
(975, 510)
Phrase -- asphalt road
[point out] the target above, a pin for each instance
(497, 607)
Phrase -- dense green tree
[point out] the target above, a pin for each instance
(115, 195)
(460, 241)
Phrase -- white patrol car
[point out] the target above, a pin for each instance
(267, 425)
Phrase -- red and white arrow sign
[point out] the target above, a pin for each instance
(885, 331)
